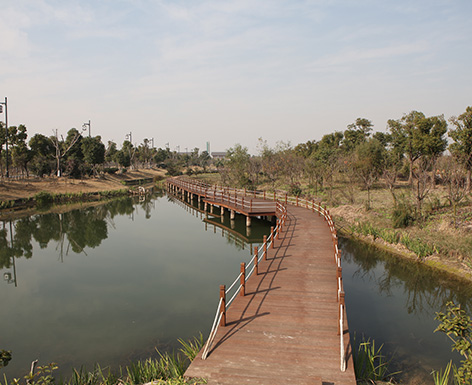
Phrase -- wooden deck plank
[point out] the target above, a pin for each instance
(284, 330)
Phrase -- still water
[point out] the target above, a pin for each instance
(394, 302)
(109, 284)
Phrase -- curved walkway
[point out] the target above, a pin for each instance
(284, 330)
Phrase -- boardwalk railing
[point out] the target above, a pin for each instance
(238, 198)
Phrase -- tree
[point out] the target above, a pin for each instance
(93, 150)
(453, 174)
(63, 147)
(433, 141)
(369, 164)
(356, 134)
(111, 151)
(417, 136)
(462, 146)
(404, 137)
(42, 157)
(20, 153)
(237, 163)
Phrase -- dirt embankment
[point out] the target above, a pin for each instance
(28, 188)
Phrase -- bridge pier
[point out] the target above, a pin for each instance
(248, 221)
(232, 214)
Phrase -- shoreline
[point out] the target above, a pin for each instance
(453, 268)
(17, 197)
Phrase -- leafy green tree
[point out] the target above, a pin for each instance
(406, 138)
(42, 155)
(369, 164)
(20, 153)
(204, 159)
(327, 157)
(461, 148)
(161, 155)
(93, 151)
(110, 153)
(237, 164)
(416, 136)
(356, 134)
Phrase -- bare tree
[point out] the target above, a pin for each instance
(454, 175)
(61, 148)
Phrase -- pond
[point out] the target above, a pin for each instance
(111, 283)
(394, 302)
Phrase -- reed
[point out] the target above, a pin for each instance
(369, 362)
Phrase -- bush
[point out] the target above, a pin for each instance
(110, 170)
(43, 199)
(402, 216)
(295, 189)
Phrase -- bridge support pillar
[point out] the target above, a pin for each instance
(211, 209)
(232, 214)
(248, 221)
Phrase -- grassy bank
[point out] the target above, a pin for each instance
(168, 368)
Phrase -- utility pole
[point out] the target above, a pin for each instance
(6, 132)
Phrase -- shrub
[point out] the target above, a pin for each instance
(43, 199)
(402, 216)
(110, 170)
(295, 189)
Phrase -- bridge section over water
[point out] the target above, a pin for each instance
(287, 323)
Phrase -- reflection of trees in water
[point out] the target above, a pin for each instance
(426, 289)
(74, 230)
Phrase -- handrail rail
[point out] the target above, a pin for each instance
(222, 194)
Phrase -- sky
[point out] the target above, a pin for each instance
(190, 72)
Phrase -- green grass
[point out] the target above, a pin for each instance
(369, 362)
(168, 368)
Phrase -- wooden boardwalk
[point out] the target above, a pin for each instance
(285, 329)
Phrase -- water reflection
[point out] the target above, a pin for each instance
(234, 230)
(72, 231)
(425, 289)
(394, 301)
(135, 276)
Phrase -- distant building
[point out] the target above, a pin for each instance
(218, 155)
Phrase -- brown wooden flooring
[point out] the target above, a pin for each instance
(284, 331)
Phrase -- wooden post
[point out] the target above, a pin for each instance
(223, 305)
(256, 262)
(339, 274)
(274, 197)
(273, 235)
(285, 199)
(280, 228)
(264, 194)
(297, 200)
(251, 206)
(265, 247)
(312, 205)
(242, 293)
(341, 302)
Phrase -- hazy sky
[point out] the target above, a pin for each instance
(188, 72)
